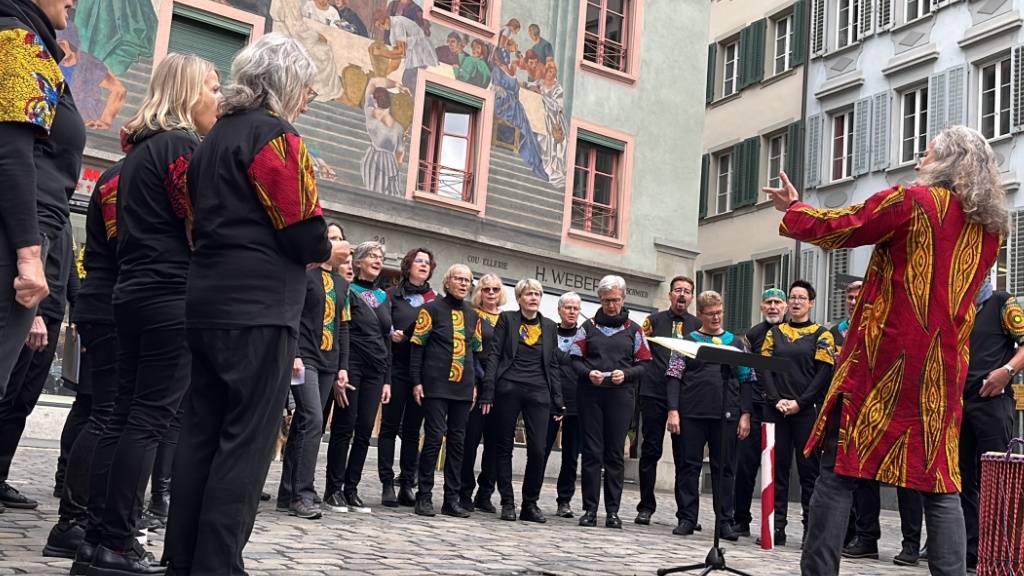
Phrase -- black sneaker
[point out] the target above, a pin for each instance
(406, 497)
(508, 512)
(149, 521)
(453, 509)
(58, 490)
(907, 557)
(612, 521)
(107, 562)
(466, 503)
(355, 503)
(63, 540)
(159, 505)
(424, 505)
(264, 496)
(11, 498)
(483, 504)
(741, 530)
(83, 559)
(335, 503)
(588, 519)
(317, 499)
(305, 510)
(684, 528)
(532, 513)
(727, 532)
(282, 506)
(861, 549)
(780, 539)
(564, 510)
(388, 498)
(643, 517)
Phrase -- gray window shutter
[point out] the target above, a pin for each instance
(700, 281)
(1017, 88)
(839, 267)
(884, 15)
(799, 33)
(207, 36)
(936, 104)
(1015, 251)
(862, 136)
(813, 151)
(705, 162)
(712, 61)
(817, 27)
(794, 154)
(809, 265)
(867, 19)
(956, 95)
(784, 277)
(880, 131)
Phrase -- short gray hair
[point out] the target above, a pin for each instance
(364, 249)
(273, 73)
(567, 297)
(528, 284)
(611, 282)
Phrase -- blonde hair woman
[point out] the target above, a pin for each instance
(154, 217)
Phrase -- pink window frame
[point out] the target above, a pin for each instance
(163, 26)
(482, 154)
(487, 29)
(624, 178)
(633, 20)
(436, 130)
(588, 200)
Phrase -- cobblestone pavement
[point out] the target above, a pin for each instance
(396, 542)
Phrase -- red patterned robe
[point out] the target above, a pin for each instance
(900, 376)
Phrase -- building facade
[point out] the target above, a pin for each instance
(752, 131)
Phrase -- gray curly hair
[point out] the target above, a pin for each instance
(966, 164)
(271, 73)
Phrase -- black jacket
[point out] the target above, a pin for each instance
(503, 353)
(444, 370)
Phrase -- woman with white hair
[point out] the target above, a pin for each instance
(446, 339)
(257, 225)
(523, 377)
(608, 352)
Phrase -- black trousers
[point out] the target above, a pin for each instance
(653, 417)
(605, 416)
(481, 428)
(155, 365)
(26, 384)
(239, 383)
(720, 437)
(570, 426)
(304, 436)
(401, 417)
(867, 506)
(535, 405)
(443, 417)
(351, 428)
(987, 427)
(791, 434)
(75, 422)
(100, 340)
(163, 464)
(748, 464)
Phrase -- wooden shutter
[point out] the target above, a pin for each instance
(746, 156)
(705, 162)
(936, 104)
(794, 154)
(1017, 88)
(799, 33)
(813, 151)
(884, 15)
(880, 131)
(710, 89)
(208, 36)
(862, 136)
(956, 95)
(867, 18)
(817, 27)
(1015, 252)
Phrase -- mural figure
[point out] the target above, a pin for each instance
(407, 41)
(541, 47)
(410, 10)
(321, 11)
(473, 68)
(553, 142)
(509, 109)
(380, 163)
(117, 32)
(88, 79)
(532, 66)
(350, 20)
(452, 50)
(289, 21)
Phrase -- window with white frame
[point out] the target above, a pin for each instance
(730, 67)
(723, 182)
(848, 24)
(914, 125)
(917, 8)
(771, 274)
(994, 116)
(783, 44)
(776, 158)
(716, 281)
(842, 145)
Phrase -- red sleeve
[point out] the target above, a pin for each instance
(108, 205)
(857, 225)
(177, 187)
(282, 172)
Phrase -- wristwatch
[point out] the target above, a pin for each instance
(1010, 369)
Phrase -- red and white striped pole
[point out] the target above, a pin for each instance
(767, 485)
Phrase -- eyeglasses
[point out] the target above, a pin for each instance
(799, 299)
(716, 314)
(678, 291)
(421, 261)
(462, 280)
(373, 256)
(610, 300)
(491, 289)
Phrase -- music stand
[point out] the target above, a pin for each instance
(715, 354)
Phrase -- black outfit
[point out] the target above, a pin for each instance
(481, 428)
(369, 368)
(402, 416)
(607, 343)
(257, 225)
(570, 424)
(748, 450)
(448, 380)
(653, 407)
(523, 377)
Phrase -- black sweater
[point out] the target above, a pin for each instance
(323, 328)
(370, 328)
(812, 352)
(445, 370)
(100, 261)
(406, 302)
(755, 338)
(667, 324)
(569, 377)
(508, 333)
(618, 344)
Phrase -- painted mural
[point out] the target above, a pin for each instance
(368, 53)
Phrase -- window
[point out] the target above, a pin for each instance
(717, 281)
(917, 9)
(914, 128)
(606, 33)
(210, 36)
(448, 148)
(595, 189)
(730, 65)
(771, 271)
(776, 158)
(783, 44)
(842, 145)
(723, 182)
(995, 99)
(847, 28)
(475, 10)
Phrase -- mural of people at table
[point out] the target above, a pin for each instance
(509, 109)
(99, 95)
(289, 20)
(453, 48)
(473, 67)
(408, 42)
(541, 47)
(553, 142)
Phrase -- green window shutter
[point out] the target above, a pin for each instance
(747, 155)
(710, 96)
(587, 135)
(732, 288)
(208, 36)
(478, 103)
(753, 169)
(739, 166)
(785, 272)
(743, 300)
(743, 50)
(756, 52)
(700, 282)
(795, 154)
(799, 33)
(705, 162)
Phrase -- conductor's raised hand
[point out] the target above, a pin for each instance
(782, 197)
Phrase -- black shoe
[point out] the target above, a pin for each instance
(388, 498)
(697, 527)
(2, 508)
(466, 503)
(424, 506)
(508, 512)
(149, 521)
(10, 497)
(484, 505)
(588, 519)
(453, 509)
(83, 559)
(684, 528)
(861, 549)
(406, 497)
(355, 503)
(264, 496)
(305, 510)
(335, 502)
(564, 511)
(907, 557)
(159, 505)
(282, 506)
(317, 499)
(63, 541)
(741, 530)
(780, 539)
(643, 517)
(107, 562)
(58, 490)
(532, 513)
(728, 532)
(612, 521)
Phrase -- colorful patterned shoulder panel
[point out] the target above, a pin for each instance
(30, 80)
(1013, 319)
